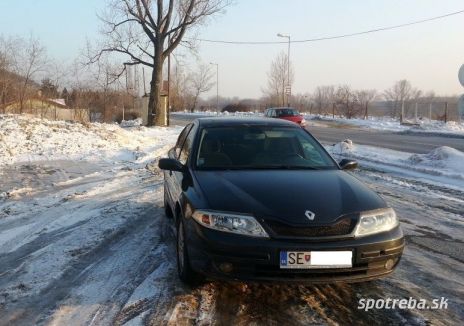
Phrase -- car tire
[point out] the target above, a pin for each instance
(185, 271)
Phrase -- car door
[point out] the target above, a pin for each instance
(174, 153)
(184, 155)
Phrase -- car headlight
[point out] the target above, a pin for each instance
(230, 222)
(376, 221)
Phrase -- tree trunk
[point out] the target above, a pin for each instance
(194, 104)
(156, 116)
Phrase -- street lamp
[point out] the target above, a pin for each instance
(288, 64)
(217, 85)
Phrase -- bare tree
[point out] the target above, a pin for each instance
(347, 101)
(278, 79)
(200, 81)
(178, 88)
(148, 31)
(6, 80)
(323, 98)
(29, 62)
(302, 102)
(400, 94)
(106, 77)
(364, 97)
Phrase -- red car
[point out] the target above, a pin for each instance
(285, 113)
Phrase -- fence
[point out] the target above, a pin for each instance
(48, 110)
(412, 111)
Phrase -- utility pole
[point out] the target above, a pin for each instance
(217, 85)
(446, 112)
(169, 84)
(288, 67)
(402, 112)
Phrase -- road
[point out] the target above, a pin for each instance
(88, 244)
(331, 133)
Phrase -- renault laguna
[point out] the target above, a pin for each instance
(261, 199)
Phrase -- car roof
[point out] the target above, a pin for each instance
(243, 121)
(282, 108)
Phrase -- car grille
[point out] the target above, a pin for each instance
(340, 228)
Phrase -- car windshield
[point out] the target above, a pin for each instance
(260, 147)
(287, 112)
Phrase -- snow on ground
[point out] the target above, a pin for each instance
(393, 124)
(443, 165)
(131, 123)
(68, 190)
(423, 125)
(84, 241)
(28, 139)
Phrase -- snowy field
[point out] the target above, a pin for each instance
(84, 241)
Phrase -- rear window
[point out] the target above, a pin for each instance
(287, 112)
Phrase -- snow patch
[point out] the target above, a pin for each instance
(443, 157)
(443, 166)
(344, 146)
(131, 123)
(29, 139)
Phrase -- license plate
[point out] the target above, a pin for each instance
(316, 259)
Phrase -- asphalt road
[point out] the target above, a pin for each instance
(332, 133)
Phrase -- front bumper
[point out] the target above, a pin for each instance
(258, 259)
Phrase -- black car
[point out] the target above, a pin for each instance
(261, 199)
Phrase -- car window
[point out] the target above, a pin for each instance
(260, 147)
(187, 147)
(287, 112)
(181, 139)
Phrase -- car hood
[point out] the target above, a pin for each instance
(286, 195)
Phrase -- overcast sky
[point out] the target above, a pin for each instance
(429, 54)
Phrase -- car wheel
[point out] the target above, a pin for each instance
(186, 274)
(167, 208)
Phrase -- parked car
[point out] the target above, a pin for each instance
(286, 113)
(261, 199)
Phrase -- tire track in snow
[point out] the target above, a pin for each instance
(97, 262)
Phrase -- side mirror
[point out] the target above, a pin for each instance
(171, 165)
(347, 164)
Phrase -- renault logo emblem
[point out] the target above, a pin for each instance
(310, 215)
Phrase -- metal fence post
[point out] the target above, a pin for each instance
(446, 112)
(402, 112)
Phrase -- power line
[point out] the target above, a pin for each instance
(380, 29)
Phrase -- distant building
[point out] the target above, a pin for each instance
(53, 109)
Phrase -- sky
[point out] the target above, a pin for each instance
(428, 54)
